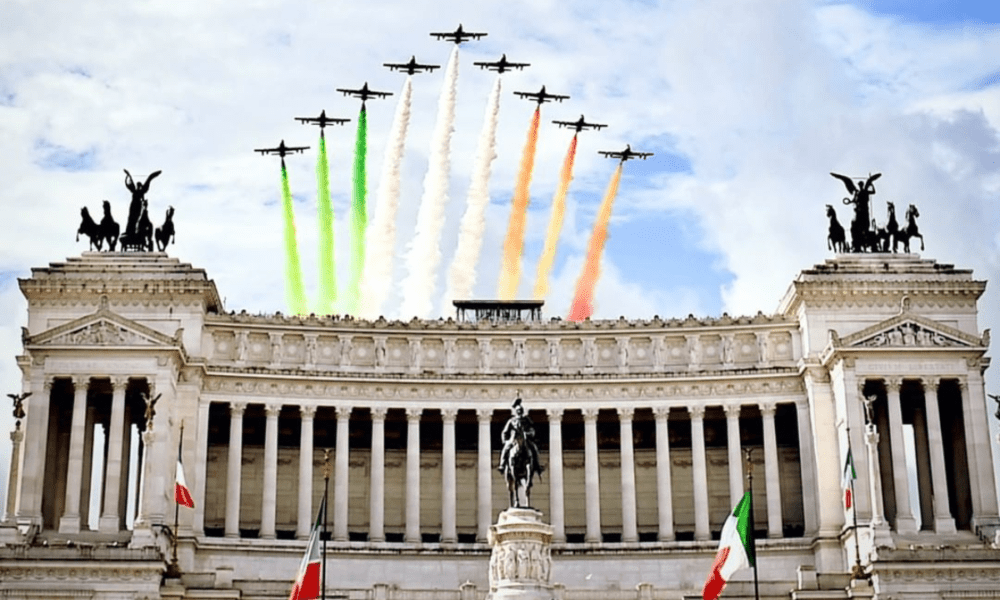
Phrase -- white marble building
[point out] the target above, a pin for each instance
(641, 424)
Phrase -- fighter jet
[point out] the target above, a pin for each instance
(541, 96)
(459, 35)
(579, 124)
(281, 150)
(364, 93)
(411, 67)
(322, 120)
(625, 154)
(501, 65)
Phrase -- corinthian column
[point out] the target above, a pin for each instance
(592, 482)
(376, 518)
(70, 522)
(484, 473)
(943, 521)
(556, 505)
(630, 532)
(448, 483)
(735, 459)
(303, 526)
(700, 472)
(340, 478)
(664, 498)
(412, 534)
(905, 523)
(772, 479)
(234, 469)
(110, 521)
(269, 499)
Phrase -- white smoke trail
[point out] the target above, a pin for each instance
(462, 274)
(425, 249)
(376, 279)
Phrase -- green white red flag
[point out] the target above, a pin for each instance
(182, 493)
(307, 582)
(736, 549)
(848, 481)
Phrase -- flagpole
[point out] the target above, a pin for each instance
(858, 572)
(326, 492)
(174, 569)
(753, 534)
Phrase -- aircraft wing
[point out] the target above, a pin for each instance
(611, 154)
(379, 94)
(348, 92)
(642, 155)
(296, 148)
(566, 123)
(597, 126)
(513, 65)
(527, 94)
(428, 67)
(556, 97)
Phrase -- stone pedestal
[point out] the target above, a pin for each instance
(521, 562)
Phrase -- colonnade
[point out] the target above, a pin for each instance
(484, 466)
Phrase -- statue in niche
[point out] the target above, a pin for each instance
(519, 458)
(519, 355)
(553, 355)
(727, 349)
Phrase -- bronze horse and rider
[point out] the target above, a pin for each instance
(139, 233)
(519, 458)
(866, 235)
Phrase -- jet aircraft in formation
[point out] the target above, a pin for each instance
(322, 120)
(364, 93)
(459, 35)
(281, 150)
(501, 65)
(410, 67)
(541, 96)
(580, 124)
(625, 154)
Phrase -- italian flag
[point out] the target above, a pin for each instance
(736, 549)
(182, 494)
(848, 480)
(307, 581)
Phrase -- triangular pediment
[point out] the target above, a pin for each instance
(103, 328)
(908, 330)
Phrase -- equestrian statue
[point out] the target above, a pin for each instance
(519, 457)
(866, 234)
(139, 233)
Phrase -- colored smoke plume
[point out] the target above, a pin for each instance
(513, 245)
(555, 224)
(462, 274)
(425, 249)
(294, 290)
(327, 270)
(376, 281)
(359, 216)
(583, 300)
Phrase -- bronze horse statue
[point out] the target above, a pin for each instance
(910, 231)
(835, 239)
(106, 231)
(165, 233)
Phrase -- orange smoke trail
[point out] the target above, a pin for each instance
(583, 299)
(513, 245)
(555, 224)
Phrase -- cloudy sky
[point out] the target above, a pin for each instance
(747, 105)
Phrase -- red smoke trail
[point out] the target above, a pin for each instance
(555, 224)
(583, 299)
(513, 245)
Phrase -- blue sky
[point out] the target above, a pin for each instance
(748, 107)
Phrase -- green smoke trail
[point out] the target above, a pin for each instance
(359, 217)
(296, 294)
(327, 270)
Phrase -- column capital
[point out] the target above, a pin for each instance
(307, 412)
(555, 414)
(48, 383)
(590, 415)
(963, 384)
(413, 414)
(484, 414)
(733, 410)
(767, 409)
(344, 412)
(378, 413)
(448, 415)
(892, 384)
(118, 381)
(696, 412)
(625, 413)
(931, 384)
(272, 410)
(236, 409)
(661, 412)
(81, 382)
